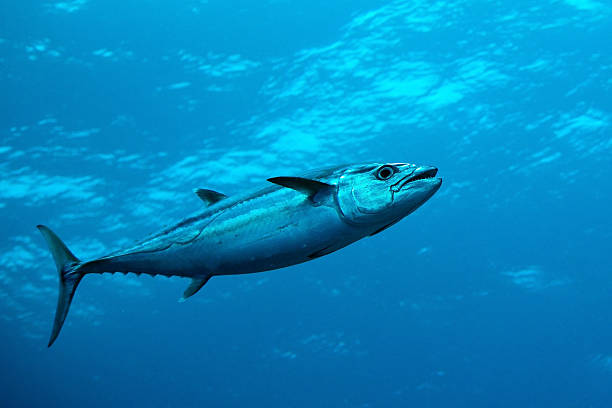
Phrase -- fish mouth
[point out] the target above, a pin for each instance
(421, 173)
(426, 173)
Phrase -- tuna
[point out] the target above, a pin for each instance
(290, 221)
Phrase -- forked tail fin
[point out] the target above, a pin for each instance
(69, 277)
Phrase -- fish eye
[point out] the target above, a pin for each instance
(385, 172)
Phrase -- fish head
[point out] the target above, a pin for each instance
(378, 195)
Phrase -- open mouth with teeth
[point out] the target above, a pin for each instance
(422, 175)
(419, 174)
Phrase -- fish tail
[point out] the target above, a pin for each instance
(68, 268)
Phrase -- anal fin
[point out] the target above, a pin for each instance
(193, 288)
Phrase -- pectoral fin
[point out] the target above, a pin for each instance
(195, 285)
(305, 186)
(209, 196)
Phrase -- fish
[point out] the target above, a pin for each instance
(289, 221)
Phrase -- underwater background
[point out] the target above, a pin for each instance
(496, 293)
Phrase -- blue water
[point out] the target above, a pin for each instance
(496, 293)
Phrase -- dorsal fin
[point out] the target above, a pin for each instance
(209, 196)
(195, 285)
(305, 186)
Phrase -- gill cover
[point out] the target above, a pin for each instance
(359, 195)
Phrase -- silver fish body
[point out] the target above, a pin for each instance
(294, 220)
